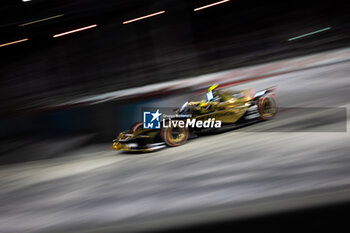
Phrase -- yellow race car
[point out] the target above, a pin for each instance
(221, 109)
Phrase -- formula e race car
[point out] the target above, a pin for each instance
(221, 109)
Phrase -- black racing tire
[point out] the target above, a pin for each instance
(175, 136)
(267, 107)
(137, 126)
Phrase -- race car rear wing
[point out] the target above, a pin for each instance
(270, 90)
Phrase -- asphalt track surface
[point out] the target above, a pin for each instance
(293, 161)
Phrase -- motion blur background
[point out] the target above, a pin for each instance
(181, 43)
(62, 93)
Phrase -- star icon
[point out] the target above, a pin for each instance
(156, 115)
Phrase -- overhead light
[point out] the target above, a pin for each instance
(40, 20)
(310, 33)
(26, 0)
(210, 5)
(14, 42)
(143, 17)
(75, 30)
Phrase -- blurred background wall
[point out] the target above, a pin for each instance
(178, 44)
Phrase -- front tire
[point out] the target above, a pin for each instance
(137, 126)
(175, 136)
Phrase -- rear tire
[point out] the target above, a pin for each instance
(267, 106)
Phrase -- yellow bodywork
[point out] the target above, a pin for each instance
(119, 146)
(124, 147)
(228, 110)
